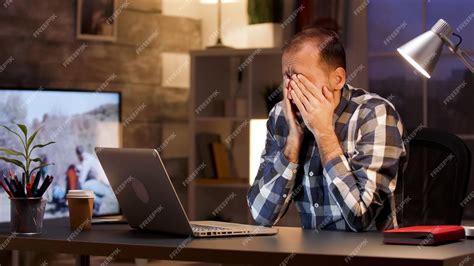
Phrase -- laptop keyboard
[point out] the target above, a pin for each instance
(203, 228)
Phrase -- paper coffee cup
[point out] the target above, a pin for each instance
(81, 203)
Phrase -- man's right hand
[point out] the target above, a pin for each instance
(296, 132)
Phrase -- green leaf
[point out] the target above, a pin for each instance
(41, 145)
(13, 161)
(38, 160)
(12, 152)
(39, 167)
(23, 129)
(18, 135)
(32, 138)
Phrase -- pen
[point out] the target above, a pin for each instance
(34, 187)
(12, 176)
(11, 187)
(28, 190)
(23, 181)
(18, 187)
(14, 181)
(32, 180)
(6, 189)
(44, 186)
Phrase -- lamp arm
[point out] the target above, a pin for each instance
(461, 53)
(464, 58)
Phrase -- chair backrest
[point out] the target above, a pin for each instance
(434, 183)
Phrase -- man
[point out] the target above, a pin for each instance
(92, 177)
(333, 149)
(89, 167)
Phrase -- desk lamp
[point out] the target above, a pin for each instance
(219, 43)
(424, 51)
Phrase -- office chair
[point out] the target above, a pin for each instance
(435, 180)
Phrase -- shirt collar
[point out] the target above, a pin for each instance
(345, 98)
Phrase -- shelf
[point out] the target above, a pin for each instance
(220, 118)
(239, 76)
(222, 182)
(229, 52)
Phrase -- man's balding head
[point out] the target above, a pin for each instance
(324, 42)
(317, 54)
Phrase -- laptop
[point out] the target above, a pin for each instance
(149, 201)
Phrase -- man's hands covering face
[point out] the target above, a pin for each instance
(316, 105)
(295, 133)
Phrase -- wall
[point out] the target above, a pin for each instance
(133, 64)
(235, 29)
(143, 64)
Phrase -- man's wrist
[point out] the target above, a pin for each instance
(328, 144)
(324, 133)
(292, 152)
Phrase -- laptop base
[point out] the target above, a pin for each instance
(112, 219)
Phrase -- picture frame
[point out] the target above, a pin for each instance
(96, 20)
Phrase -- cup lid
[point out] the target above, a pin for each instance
(80, 194)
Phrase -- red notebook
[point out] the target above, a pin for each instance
(424, 235)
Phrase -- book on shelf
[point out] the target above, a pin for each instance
(204, 153)
(222, 162)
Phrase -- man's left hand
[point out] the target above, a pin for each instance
(316, 105)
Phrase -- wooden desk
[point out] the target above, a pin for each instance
(294, 246)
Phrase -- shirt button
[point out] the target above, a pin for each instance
(316, 205)
(284, 195)
(311, 173)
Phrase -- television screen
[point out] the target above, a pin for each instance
(77, 121)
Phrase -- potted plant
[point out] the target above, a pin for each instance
(265, 18)
(25, 193)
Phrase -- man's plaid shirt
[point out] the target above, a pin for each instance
(353, 192)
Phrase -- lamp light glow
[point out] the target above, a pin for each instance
(414, 63)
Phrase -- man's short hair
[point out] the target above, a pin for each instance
(325, 41)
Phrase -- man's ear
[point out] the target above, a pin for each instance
(338, 78)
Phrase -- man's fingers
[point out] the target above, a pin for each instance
(287, 110)
(286, 85)
(302, 98)
(309, 86)
(316, 92)
(294, 85)
(298, 103)
(328, 94)
(306, 92)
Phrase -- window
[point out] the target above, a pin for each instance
(445, 100)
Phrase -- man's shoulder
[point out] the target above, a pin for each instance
(371, 103)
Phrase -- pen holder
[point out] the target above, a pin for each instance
(26, 215)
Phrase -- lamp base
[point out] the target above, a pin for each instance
(218, 46)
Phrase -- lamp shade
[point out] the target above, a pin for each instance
(423, 52)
